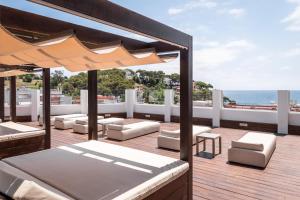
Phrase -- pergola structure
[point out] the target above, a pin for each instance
(32, 29)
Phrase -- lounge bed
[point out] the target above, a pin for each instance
(81, 126)
(93, 170)
(64, 123)
(254, 148)
(52, 118)
(171, 139)
(128, 131)
(17, 139)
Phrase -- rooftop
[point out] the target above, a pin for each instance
(215, 178)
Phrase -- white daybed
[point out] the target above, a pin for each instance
(254, 148)
(125, 132)
(17, 139)
(92, 170)
(171, 139)
(52, 118)
(65, 123)
(81, 126)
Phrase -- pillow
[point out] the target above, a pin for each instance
(247, 145)
(20, 189)
(29, 190)
(116, 127)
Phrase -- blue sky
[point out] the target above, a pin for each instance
(238, 44)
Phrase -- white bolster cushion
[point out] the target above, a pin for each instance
(29, 190)
(117, 127)
(247, 145)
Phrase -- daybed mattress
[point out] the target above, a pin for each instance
(13, 131)
(96, 170)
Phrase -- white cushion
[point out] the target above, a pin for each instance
(254, 149)
(31, 190)
(176, 134)
(84, 120)
(69, 117)
(253, 141)
(117, 127)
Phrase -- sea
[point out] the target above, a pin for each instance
(259, 97)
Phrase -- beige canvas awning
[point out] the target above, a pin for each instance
(69, 52)
(12, 73)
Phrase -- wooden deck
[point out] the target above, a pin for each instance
(214, 178)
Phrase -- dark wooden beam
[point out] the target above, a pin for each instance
(31, 27)
(2, 99)
(13, 98)
(117, 16)
(92, 105)
(46, 107)
(186, 112)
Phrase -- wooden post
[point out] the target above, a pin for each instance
(186, 113)
(92, 105)
(46, 107)
(13, 91)
(2, 99)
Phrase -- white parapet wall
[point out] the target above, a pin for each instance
(294, 118)
(169, 101)
(112, 108)
(22, 110)
(64, 109)
(200, 112)
(130, 99)
(150, 109)
(258, 116)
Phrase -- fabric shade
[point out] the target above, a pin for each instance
(12, 73)
(69, 52)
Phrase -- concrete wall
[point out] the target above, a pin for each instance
(294, 118)
(112, 108)
(201, 112)
(259, 116)
(149, 109)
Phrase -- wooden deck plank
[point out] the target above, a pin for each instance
(215, 178)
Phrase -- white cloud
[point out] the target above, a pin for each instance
(293, 19)
(235, 12)
(292, 52)
(193, 4)
(221, 53)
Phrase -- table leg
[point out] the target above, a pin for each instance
(103, 130)
(213, 148)
(220, 145)
(204, 144)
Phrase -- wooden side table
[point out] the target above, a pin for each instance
(209, 136)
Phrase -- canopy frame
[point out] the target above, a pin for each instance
(169, 39)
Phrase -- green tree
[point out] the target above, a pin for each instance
(27, 78)
(57, 79)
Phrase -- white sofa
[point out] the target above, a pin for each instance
(171, 139)
(64, 123)
(254, 148)
(52, 118)
(125, 132)
(81, 125)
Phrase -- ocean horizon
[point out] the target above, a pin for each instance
(259, 97)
